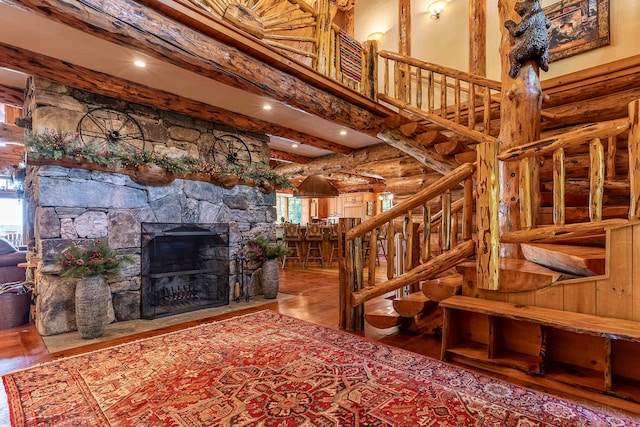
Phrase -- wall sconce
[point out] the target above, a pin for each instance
(435, 8)
(377, 36)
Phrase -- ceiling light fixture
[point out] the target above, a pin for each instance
(343, 132)
(294, 145)
(267, 107)
(139, 63)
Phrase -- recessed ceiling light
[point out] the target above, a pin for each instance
(267, 107)
(139, 63)
(343, 132)
(294, 145)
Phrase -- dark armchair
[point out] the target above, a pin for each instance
(10, 257)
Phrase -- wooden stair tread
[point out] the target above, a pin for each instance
(442, 288)
(382, 318)
(516, 275)
(581, 214)
(575, 322)
(578, 260)
(597, 240)
(412, 304)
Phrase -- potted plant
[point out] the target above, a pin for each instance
(266, 254)
(93, 267)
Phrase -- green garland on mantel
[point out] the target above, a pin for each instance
(65, 149)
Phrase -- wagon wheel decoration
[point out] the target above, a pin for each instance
(111, 130)
(231, 150)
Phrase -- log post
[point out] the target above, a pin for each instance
(323, 36)
(369, 79)
(521, 105)
(634, 159)
(478, 37)
(612, 149)
(349, 276)
(404, 48)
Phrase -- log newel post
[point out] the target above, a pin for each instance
(349, 276)
(634, 159)
(369, 80)
(520, 114)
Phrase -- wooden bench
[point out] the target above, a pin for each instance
(592, 352)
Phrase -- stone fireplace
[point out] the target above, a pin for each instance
(77, 206)
(183, 268)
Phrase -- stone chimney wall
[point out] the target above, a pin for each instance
(76, 206)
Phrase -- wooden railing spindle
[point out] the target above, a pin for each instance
(391, 250)
(446, 221)
(467, 210)
(419, 88)
(596, 180)
(426, 233)
(487, 111)
(472, 106)
(409, 239)
(634, 160)
(443, 95)
(558, 187)
(457, 101)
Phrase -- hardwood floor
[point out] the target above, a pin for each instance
(316, 301)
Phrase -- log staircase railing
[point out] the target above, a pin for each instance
(418, 263)
(591, 135)
(456, 100)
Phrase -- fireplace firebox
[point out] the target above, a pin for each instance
(184, 268)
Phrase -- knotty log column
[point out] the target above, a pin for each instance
(478, 37)
(519, 124)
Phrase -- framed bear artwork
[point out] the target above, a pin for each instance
(577, 26)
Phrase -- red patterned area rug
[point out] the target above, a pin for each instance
(264, 369)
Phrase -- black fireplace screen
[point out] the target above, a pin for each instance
(184, 268)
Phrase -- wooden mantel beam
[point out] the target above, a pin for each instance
(150, 32)
(11, 96)
(102, 84)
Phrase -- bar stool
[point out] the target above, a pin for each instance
(333, 237)
(313, 237)
(292, 239)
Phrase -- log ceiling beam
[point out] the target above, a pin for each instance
(11, 133)
(11, 96)
(425, 155)
(102, 84)
(146, 30)
(289, 157)
(337, 163)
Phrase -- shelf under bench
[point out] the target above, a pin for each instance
(583, 350)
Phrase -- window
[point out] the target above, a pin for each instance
(288, 209)
(295, 210)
